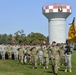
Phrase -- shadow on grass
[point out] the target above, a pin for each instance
(49, 71)
(61, 70)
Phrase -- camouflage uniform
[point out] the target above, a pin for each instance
(3, 49)
(46, 57)
(6, 52)
(25, 56)
(21, 55)
(28, 55)
(61, 54)
(40, 56)
(34, 56)
(55, 58)
(9, 48)
(68, 53)
(15, 52)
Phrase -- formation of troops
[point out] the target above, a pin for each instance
(56, 53)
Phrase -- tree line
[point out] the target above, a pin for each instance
(20, 37)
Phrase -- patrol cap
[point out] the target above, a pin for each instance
(54, 42)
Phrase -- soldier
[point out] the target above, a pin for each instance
(55, 52)
(61, 46)
(28, 54)
(45, 57)
(25, 55)
(15, 52)
(40, 56)
(6, 52)
(34, 57)
(3, 49)
(21, 54)
(68, 53)
(9, 48)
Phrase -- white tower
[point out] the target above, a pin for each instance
(57, 14)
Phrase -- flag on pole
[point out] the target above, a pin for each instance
(72, 32)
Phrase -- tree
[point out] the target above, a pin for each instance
(36, 38)
(20, 37)
(10, 39)
(47, 40)
(4, 38)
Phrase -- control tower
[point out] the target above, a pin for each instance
(56, 15)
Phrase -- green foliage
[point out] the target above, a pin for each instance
(36, 38)
(20, 38)
(6, 39)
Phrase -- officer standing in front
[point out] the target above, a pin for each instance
(55, 53)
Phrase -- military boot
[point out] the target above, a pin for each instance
(43, 67)
(56, 73)
(70, 70)
(47, 67)
(65, 70)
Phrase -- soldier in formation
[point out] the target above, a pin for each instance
(9, 48)
(21, 54)
(34, 56)
(45, 57)
(28, 54)
(61, 46)
(59, 54)
(40, 56)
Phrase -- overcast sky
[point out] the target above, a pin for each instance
(27, 15)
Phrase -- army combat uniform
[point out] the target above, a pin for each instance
(55, 52)
(28, 55)
(40, 56)
(34, 56)
(46, 57)
(68, 54)
(9, 48)
(21, 55)
(61, 54)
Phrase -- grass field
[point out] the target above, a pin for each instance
(12, 67)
